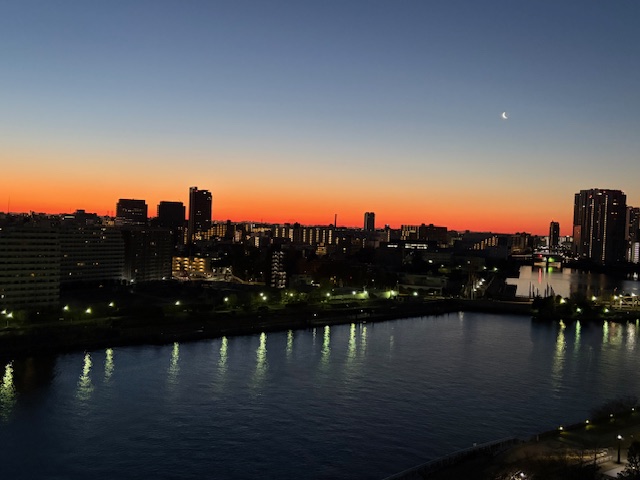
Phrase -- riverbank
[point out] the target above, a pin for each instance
(156, 327)
(590, 449)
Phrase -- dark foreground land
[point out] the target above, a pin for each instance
(584, 451)
(157, 326)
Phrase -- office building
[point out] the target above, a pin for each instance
(199, 213)
(171, 215)
(131, 212)
(599, 225)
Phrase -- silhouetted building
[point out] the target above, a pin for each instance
(554, 235)
(171, 215)
(424, 232)
(432, 233)
(131, 212)
(147, 254)
(199, 212)
(599, 220)
(369, 221)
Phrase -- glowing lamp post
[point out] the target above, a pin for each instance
(619, 443)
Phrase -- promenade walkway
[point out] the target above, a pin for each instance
(547, 455)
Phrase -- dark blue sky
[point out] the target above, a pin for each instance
(389, 106)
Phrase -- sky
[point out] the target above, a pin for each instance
(299, 110)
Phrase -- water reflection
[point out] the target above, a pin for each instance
(174, 366)
(576, 343)
(363, 340)
(615, 334)
(605, 332)
(326, 348)
(222, 361)
(261, 361)
(568, 282)
(7, 393)
(558, 358)
(85, 386)
(351, 351)
(631, 336)
(108, 365)
(289, 343)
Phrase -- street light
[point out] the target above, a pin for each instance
(619, 443)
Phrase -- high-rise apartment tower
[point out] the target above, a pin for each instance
(554, 235)
(199, 212)
(599, 218)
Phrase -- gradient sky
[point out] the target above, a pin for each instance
(298, 110)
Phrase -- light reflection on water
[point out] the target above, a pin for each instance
(108, 364)
(289, 343)
(351, 353)
(631, 336)
(567, 282)
(222, 361)
(558, 359)
(326, 345)
(7, 392)
(174, 366)
(261, 362)
(85, 386)
(363, 339)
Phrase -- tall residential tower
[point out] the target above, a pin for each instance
(554, 235)
(199, 212)
(599, 221)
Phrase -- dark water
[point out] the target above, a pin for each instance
(351, 401)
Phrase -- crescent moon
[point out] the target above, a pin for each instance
(504, 115)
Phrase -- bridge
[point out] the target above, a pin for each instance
(542, 258)
(625, 302)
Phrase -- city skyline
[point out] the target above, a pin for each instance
(296, 112)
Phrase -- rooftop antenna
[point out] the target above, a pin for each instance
(335, 221)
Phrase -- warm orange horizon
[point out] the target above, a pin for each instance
(350, 212)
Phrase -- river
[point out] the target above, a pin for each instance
(342, 402)
(566, 282)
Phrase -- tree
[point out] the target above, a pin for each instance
(632, 470)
